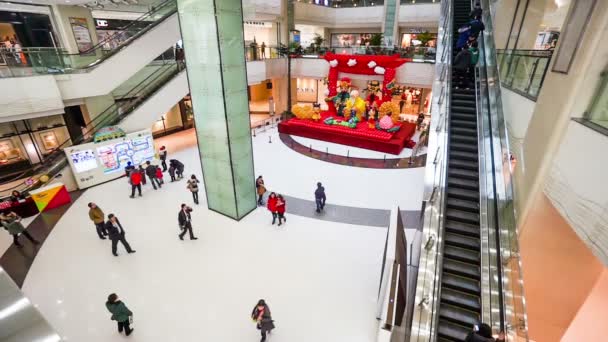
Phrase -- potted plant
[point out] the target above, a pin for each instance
(318, 40)
(375, 41)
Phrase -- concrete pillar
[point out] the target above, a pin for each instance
(212, 32)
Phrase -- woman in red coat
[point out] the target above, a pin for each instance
(272, 206)
(135, 180)
(280, 207)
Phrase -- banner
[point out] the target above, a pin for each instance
(80, 28)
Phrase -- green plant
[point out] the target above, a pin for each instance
(375, 39)
(425, 37)
(318, 40)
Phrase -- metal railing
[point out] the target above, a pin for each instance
(259, 54)
(417, 54)
(506, 268)
(362, 3)
(56, 160)
(428, 283)
(523, 71)
(36, 61)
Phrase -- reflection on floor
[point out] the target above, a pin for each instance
(204, 290)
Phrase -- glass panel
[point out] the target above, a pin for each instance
(598, 113)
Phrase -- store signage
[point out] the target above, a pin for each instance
(416, 30)
(102, 23)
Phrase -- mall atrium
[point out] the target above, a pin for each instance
(303, 170)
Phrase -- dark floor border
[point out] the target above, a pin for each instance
(17, 261)
(388, 163)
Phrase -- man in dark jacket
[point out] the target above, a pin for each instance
(179, 168)
(476, 12)
(461, 66)
(151, 172)
(117, 233)
(184, 220)
(320, 197)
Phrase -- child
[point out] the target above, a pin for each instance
(143, 175)
(172, 172)
(159, 175)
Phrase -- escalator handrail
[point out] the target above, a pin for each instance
(155, 9)
(425, 317)
(57, 155)
(122, 45)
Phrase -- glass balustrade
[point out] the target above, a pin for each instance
(39, 61)
(523, 71)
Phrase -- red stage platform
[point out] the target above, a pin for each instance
(361, 136)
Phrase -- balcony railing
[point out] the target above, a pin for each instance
(523, 71)
(362, 3)
(418, 54)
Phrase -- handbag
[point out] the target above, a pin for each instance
(131, 319)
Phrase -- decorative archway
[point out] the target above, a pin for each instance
(361, 65)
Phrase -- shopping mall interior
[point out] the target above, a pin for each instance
(335, 170)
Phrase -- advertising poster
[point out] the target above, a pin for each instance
(80, 28)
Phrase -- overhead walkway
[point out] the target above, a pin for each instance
(110, 62)
(147, 100)
(469, 228)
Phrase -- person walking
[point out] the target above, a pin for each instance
(162, 155)
(320, 197)
(96, 215)
(12, 223)
(135, 180)
(184, 220)
(272, 206)
(142, 172)
(172, 172)
(261, 189)
(280, 207)
(117, 233)
(151, 172)
(263, 318)
(120, 313)
(193, 187)
(159, 175)
(263, 50)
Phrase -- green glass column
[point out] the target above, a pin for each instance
(212, 33)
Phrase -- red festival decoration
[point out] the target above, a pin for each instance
(361, 65)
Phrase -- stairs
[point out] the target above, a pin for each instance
(460, 301)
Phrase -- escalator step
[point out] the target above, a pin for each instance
(463, 123)
(465, 165)
(463, 284)
(464, 109)
(468, 97)
(463, 183)
(462, 241)
(463, 173)
(464, 103)
(449, 331)
(463, 155)
(463, 91)
(462, 216)
(462, 254)
(458, 315)
(464, 116)
(455, 203)
(461, 299)
(463, 147)
(463, 194)
(462, 228)
(463, 131)
(461, 268)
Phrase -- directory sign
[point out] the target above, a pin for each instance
(83, 160)
(95, 163)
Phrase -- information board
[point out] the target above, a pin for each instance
(95, 163)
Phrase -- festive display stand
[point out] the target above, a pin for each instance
(51, 196)
(360, 134)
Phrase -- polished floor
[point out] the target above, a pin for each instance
(319, 276)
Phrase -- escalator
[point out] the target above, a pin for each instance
(460, 300)
(149, 88)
